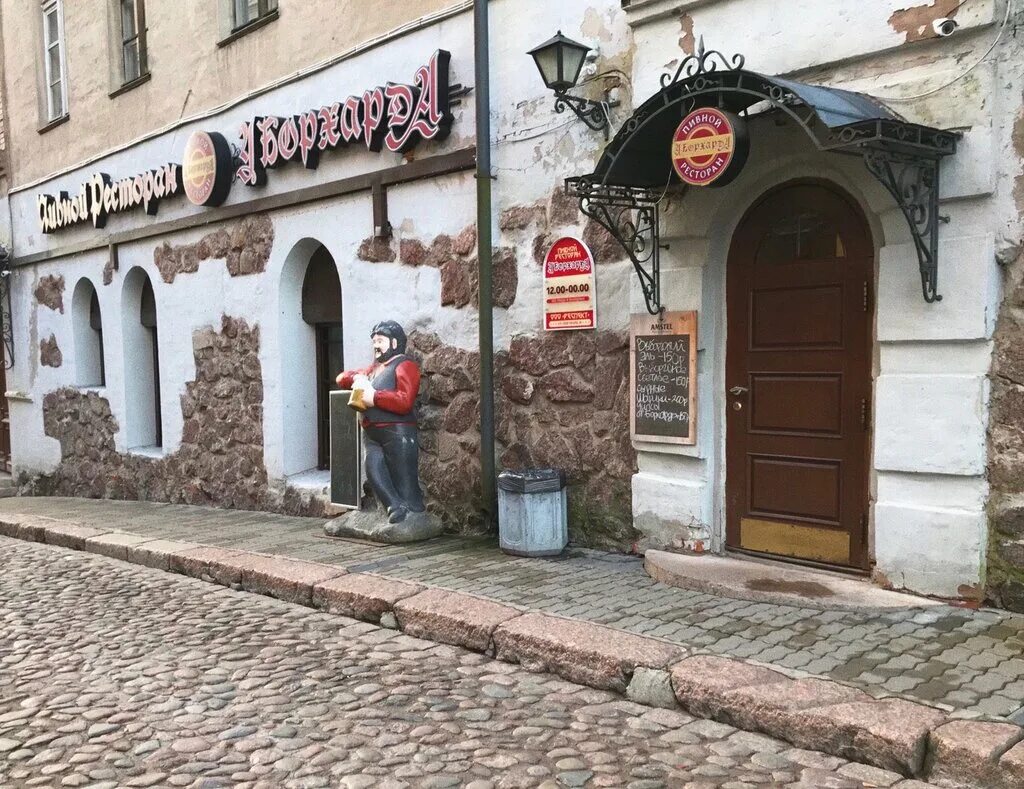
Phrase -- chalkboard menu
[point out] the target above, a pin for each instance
(663, 377)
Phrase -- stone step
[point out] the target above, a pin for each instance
(8, 492)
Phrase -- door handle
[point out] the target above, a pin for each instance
(738, 390)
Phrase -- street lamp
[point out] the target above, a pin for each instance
(560, 60)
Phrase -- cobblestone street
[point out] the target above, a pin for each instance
(960, 659)
(114, 675)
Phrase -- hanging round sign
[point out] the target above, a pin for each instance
(207, 170)
(709, 147)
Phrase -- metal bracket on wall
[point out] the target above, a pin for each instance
(913, 181)
(630, 214)
(6, 322)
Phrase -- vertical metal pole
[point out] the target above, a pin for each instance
(482, 94)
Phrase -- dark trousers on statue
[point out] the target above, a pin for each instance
(392, 466)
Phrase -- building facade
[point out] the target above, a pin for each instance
(203, 233)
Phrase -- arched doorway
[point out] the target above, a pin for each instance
(144, 428)
(321, 309)
(798, 374)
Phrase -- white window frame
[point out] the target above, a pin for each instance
(54, 113)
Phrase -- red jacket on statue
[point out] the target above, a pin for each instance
(396, 383)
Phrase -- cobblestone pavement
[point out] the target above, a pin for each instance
(113, 675)
(966, 660)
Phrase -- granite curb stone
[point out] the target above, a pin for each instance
(362, 596)
(453, 618)
(71, 535)
(29, 529)
(291, 580)
(970, 751)
(579, 651)
(1011, 766)
(157, 553)
(889, 733)
(208, 564)
(114, 544)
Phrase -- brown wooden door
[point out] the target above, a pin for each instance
(798, 375)
(5, 418)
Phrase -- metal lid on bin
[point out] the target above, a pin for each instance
(534, 480)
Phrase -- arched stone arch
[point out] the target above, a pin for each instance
(87, 325)
(309, 312)
(139, 331)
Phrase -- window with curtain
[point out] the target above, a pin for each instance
(53, 60)
(247, 11)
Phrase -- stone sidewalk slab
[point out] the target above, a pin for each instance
(787, 701)
(453, 618)
(580, 651)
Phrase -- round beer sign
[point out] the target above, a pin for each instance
(206, 168)
(709, 147)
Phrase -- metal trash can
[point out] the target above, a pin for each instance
(533, 513)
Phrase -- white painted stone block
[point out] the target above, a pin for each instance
(972, 172)
(968, 282)
(930, 550)
(931, 423)
(670, 512)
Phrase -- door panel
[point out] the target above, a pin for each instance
(799, 377)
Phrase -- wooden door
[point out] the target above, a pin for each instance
(798, 377)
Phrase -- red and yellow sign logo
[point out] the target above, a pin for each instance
(709, 147)
(569, 298)
(206, 168)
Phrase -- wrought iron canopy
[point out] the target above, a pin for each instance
(635, 166)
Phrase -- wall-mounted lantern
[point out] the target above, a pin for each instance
(560, 61)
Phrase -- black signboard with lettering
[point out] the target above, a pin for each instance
(663, 377)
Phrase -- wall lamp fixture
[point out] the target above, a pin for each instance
(560, 61)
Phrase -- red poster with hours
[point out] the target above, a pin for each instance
(569, 297)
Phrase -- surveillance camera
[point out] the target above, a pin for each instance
(944, 27)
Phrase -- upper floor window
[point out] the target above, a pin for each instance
(133, 39)
(53, 60)
(247, 11)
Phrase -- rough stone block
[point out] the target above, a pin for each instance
(70, 535)
(582, 652)
(653, 687)
(701, 682)
(1011, 766)
(156, 553)
(23, 529)
(452, 618)
(208, 564)
(774, 709)
(114, 544)
(291, 580)
(969, 751)
(888, 733)
(362, 596)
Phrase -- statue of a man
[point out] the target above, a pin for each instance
(386, 394)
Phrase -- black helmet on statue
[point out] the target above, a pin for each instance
(394, 331)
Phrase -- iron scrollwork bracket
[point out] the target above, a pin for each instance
(630, 215)
(914, 184)
(6, 323)
(592, 113)
(702, 61)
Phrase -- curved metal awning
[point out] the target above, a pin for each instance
(623, 192)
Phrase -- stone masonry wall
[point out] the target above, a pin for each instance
(220, 460)
(560, 401)
(1005, 582)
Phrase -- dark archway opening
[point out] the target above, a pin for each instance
(321, 309)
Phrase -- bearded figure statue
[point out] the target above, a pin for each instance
(385, 394)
